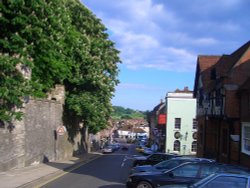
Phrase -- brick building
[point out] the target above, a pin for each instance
(222, 90)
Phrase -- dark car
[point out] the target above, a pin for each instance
(152, 159)
(124, 147)
(184, 174)
(168, 164)
(227, 180)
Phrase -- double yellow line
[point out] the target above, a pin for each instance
(66, 172)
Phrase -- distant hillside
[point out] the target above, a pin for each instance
(126, 113)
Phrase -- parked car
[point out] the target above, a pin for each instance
(108, 149)
(224, 180)
(227, 180)
(116, 146)
(186, 173)
(124, 147)
(140, 149)
(152, 159)
(148, 151)
(168, 164)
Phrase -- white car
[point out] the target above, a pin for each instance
(107, 149)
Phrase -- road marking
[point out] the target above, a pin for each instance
(63, 173)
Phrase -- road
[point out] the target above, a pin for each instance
(108, 171)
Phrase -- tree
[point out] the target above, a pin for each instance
(91, 87)
(62, 42)
(13, 52)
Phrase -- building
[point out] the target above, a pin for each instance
(181, 132)
(133, 129)
(222, 92)
(157, 123)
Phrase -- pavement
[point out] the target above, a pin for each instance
(38, 175)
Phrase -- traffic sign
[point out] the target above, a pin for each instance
(61, 130)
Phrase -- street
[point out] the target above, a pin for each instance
(108, 171)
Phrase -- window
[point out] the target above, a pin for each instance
(177, 145)
(245, 145)
(177, 123)
(169, 164)
(207, 170)
(194, 124)
(186, 171)
(194, 146)
(227, 181)
(155, 157)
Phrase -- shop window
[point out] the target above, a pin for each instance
(245, 147)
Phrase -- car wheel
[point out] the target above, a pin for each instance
(144, 184)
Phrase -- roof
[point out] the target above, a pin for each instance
(159, 107)
(203, 68)
(227, 62)
(207, 61)
(233, 68)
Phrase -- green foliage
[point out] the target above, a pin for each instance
(126, 113)
(63, 43)
(13, 52)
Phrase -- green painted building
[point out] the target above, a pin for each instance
(181, 124)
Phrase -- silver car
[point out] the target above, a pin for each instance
(107, 149)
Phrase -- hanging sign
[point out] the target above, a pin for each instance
(162, 119)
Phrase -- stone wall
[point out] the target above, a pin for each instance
(12, 146)
(33, 140)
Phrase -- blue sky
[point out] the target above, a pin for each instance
(160, 40)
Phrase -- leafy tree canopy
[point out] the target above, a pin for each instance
(62, 42)
(120, 112)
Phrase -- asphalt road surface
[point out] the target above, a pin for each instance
(108, 171)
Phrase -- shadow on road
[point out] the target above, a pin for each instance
(97, 167)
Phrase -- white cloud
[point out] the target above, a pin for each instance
(151, 35)
(205, 41)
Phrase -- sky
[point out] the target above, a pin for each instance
(159, 42)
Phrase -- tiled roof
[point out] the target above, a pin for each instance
(207, 61)
(205, 64)
(233, 68)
